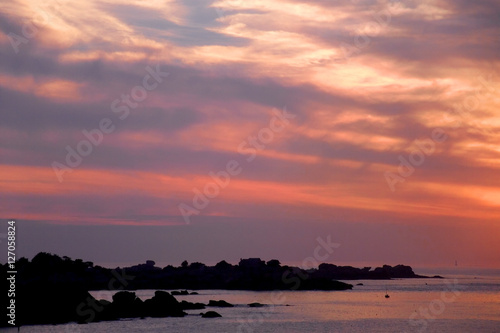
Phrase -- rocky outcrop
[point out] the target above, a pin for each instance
(210, 314)
(163, 305)
(255, 305)
(51, 289)
(36, 303)
(220, 304)
(192, 306)
(331, 271)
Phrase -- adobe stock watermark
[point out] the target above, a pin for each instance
(420, 319)
(221, 179)
(228, 5)
(472, 102)
(31, 27)
(121, 107)
(91, 306)
(310, 262)
(426, 147)
(363, 37)
(322, 252)
(416, 158)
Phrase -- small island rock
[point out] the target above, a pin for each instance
(210, 314)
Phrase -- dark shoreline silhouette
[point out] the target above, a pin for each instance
(51, 289)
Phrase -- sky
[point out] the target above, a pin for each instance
(218, 130)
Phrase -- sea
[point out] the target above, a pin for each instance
(465, 300)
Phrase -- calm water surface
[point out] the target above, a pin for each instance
(460, 303)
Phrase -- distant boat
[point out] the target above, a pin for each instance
(386, 294)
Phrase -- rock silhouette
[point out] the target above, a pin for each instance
(210, 314)
(163, 305)
(220, 304)
(255, 305)
(52, 290)
(192, 306)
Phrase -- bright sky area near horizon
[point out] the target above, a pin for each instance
(374, 123)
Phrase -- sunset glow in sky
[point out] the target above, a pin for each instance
(374, 122)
